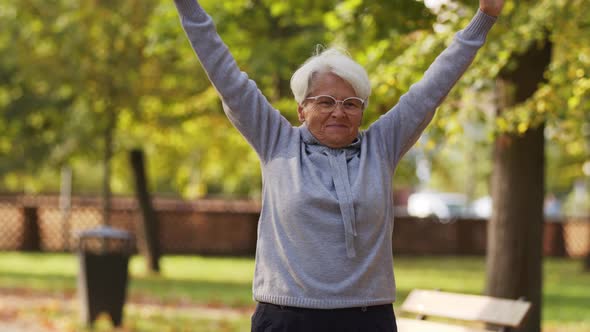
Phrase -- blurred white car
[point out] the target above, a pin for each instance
(444, 206)
(482, 207)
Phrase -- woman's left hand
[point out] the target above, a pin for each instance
(491, 7)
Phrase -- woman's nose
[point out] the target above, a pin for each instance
(338, 110)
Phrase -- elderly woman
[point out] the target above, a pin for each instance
(324, 253)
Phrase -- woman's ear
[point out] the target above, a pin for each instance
(300, 113)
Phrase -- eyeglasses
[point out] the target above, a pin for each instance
(327, 104)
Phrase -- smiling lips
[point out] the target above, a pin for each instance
(337, 125)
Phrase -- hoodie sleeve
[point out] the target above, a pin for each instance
(245, 106)
(401, 126)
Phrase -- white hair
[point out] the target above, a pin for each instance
(333, 61)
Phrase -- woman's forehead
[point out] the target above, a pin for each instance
(327, 83)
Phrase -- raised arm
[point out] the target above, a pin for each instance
(401, 127)
(244, 104)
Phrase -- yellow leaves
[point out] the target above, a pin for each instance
(382, 89)
(452, 125)
(13, 181)
(332, 21)
(519, 119)
(194, 189)
(342, 13)
(582, 86)
(584, 57)
(36, 120)
(502, 124)
(126, 121)
(235, 6)
(65, 91)
(279, 8)
(430, 144)
(580, 90)
(573, 102)
(349, 6)
(575, 72)
(34, 27)
(7, 11)
(119, 44)
(5, 142)
(425, 143)
(45, 48)
(509, 8)
(504, 55)
(62, 22)
(575, 148)
(150, 105)
(541, 106)
(5, 98)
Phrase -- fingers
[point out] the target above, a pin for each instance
(491, 7)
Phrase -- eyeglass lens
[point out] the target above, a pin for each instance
(328, 103)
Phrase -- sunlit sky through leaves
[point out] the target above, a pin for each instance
(434, 3)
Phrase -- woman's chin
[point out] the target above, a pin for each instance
(336, 142)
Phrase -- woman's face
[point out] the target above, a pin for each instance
(335, 129)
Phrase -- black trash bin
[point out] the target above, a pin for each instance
(102, 280)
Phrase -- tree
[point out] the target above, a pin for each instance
(529, 97)
(32, 95)
(515, 231)
(164, 103)
(109, 46)
(542, 84)
(530, 61)
(149, 225)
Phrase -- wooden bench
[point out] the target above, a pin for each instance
(460, 310)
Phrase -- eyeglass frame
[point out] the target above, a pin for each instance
(341, 102)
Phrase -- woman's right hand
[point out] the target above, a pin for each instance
(491, 7)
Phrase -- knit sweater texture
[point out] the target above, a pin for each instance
(326, 222)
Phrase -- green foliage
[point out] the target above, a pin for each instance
(467, 119)
(562, 101)
(70, 71)
(29, 100)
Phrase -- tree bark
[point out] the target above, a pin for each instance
(106, 180)
(515, 231)
(514, 259)
(586, 261)
(149, 224)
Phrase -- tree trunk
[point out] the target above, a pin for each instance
(586, 262)
(514, 260)
(515, 231)
(109, 137)
(149, 225)
(106, 179)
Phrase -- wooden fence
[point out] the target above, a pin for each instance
(228, 227)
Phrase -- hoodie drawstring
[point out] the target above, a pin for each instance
(344, 193)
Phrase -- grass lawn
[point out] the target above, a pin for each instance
(220, 282)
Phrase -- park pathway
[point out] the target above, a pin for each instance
(22, 313)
